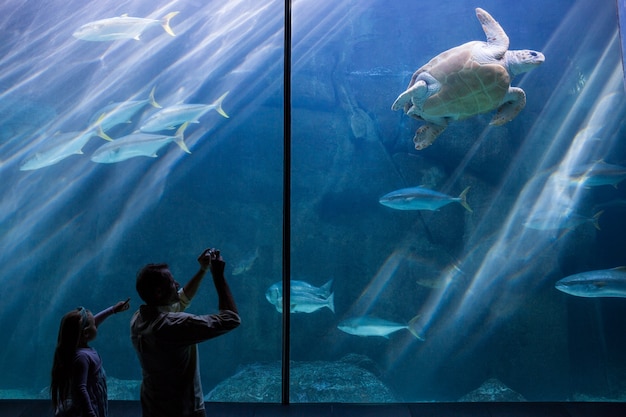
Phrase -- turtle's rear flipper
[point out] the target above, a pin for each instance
(514, 102)
(426, 135)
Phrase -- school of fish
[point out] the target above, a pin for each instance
(150, 135)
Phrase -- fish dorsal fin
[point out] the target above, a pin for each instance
(179, 138)
(100, 133)
(152, 100)
(124, 15)
(326, 287)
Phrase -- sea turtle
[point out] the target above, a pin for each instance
(467, 80)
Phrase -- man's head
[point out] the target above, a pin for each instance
(156, 285)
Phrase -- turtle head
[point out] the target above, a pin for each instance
(523, 60)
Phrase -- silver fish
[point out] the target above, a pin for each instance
(118, 113)
(137, 144)
(366, 326)
(304, 297)
(122, 27)
(173, 116)
(549, 220)
(598, 283)
(420, 198)
(597, 174)
(246, 264)
(63, 145)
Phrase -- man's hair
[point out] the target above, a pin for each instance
(151, 277)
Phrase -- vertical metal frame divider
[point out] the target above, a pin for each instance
(286, 252)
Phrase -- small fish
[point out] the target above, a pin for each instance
(599, 283)
(118, 113)
(373, 326)
(122, 27)
(612, 204)
(420, 198)
(171, 117)
(246, 264)
(304, 297)
(549, 220)
(137, 144)
(597, 174)
(63, 145)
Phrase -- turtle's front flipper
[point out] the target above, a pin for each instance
(401, 101)
(416, 91)
(513, 103)
(426, 135)
(496, 37)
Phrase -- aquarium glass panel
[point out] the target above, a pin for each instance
(99, 177)
(447, 273)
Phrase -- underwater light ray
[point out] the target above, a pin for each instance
(519, 248)
(318, 17)
(107, 83)
(507, 262)
(370, 294)
(525, 245)
(32, 237)
(222, 60)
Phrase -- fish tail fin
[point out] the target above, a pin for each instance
(596, 218)
(165, 22)
(463, 200)
(411, 327)
(180, 139)
(100, 133)
(331, 302)
(218, 105)
(152, 100)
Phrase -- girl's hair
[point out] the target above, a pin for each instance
(70, 332)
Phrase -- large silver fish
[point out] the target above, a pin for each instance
(420, 198)
(173, 116)
(304, 297)
(366, 326)
(598, 283)
(137, 144)
(118, 113)
(59, 147)
(122, 27)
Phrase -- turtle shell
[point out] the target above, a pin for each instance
(468, 87)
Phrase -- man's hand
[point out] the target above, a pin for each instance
(205, 258)
(217, 265)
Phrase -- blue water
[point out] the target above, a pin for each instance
(75, 233)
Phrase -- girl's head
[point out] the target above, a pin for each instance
(77, 328)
